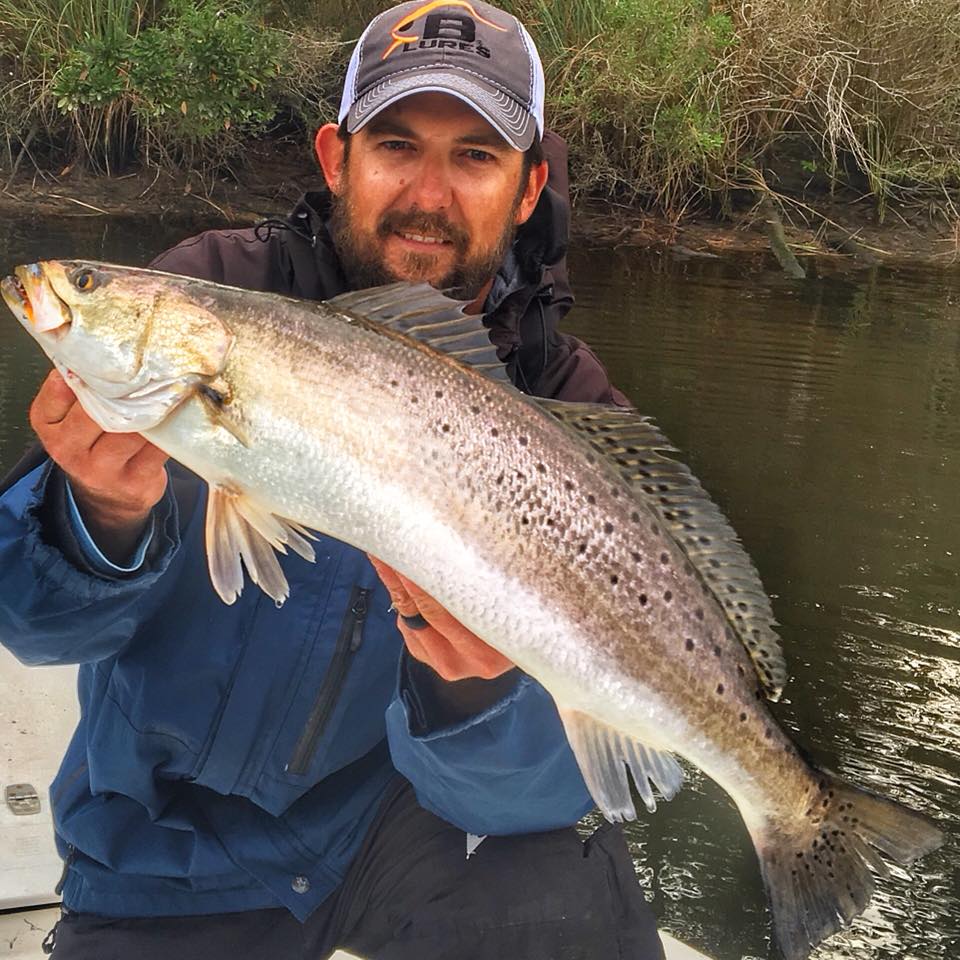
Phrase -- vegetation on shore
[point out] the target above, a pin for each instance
(671, 103)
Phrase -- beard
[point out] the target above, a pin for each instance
(361, 256)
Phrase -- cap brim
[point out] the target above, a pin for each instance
(512, 121)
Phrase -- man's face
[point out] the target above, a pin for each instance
(429, 192)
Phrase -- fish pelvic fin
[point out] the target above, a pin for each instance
(819, 870)
(239, 530)
(605, 754)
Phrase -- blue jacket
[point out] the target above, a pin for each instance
(232, 758)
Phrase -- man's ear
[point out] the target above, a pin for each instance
(330, 153)
(536, 181)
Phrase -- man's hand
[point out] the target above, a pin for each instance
(443, 643)
(116, 478)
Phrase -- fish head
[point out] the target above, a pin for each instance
(131, 343)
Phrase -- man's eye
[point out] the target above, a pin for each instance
(395, 144)
(481, 156)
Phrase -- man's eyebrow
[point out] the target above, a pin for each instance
(485, 138)
(384, 125)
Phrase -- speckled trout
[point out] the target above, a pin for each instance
(564, 535)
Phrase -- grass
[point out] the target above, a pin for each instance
(669, 103)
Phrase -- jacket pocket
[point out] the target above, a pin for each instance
(349, 641)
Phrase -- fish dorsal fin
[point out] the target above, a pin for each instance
(239, 529)
(637, 448)
(604, 755)
(419, 311)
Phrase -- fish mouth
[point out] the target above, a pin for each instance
(35, 303)
(15, 296)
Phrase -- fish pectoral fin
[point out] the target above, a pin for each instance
(239, 529)
(604, 754)
(214, 403)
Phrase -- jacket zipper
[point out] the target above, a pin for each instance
(348, 643)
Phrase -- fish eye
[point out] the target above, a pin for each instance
(85, 280)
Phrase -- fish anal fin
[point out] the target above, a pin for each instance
(604, 756)
(239, 530)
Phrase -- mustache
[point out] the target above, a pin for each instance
(418, 221)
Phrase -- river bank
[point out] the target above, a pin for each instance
(839, 230)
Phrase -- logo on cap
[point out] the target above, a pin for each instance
(436, 24)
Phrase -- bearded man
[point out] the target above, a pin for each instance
(354, 769)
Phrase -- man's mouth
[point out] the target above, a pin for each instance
(422, 238)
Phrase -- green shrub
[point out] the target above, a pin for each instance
(185, 86)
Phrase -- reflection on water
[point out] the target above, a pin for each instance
(824, 416)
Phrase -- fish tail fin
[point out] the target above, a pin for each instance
(819, 868)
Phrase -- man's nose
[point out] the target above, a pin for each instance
(432, 188)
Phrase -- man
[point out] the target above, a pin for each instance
(251, 781)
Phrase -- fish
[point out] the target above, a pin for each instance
(566, 535)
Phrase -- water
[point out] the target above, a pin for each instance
(824, 417)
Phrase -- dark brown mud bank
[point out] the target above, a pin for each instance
(841, 231)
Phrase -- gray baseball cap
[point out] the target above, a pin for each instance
(473, 51)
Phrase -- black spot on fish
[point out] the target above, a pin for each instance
(720, 689)
(591, 499)
(500, 478)
(664, 558)
(743, 718)
(636, 556)
(494, 432)
(394, 383)
(704, 539)
(524, 519)
(767, 733)
(541, 468)
(717, 651)
(714, 562)
(583, 548)
(689, 644)
(647, 489)
(635, 517)
(438, 394)
(414, 399)
(474, 408)
(643, 599)
(667, 595)
(608, 527)
(446, 428)
(699, 613)
(522, 441)
(614, 579)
